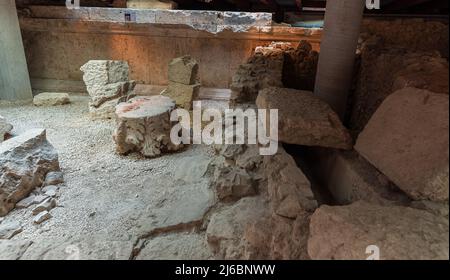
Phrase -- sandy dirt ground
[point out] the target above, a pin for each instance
(111, 206)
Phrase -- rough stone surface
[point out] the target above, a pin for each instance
(264, 69)
(304, 119)
(26, 202)
(24, 162)
(181, 246)
(401, 233)
(151, 4)
(9, 230)
(42, 217)
(233, 183)
(182, 94)
(407, 139)
(51, 99)
(143, 125)
(5, 128)
(46, 205)
(183, 70)
(13, 250)
(107, 83)
(383, 70)
(54, 178)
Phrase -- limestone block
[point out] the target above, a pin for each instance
(51, 99)
(407, 139)
(304, 119)
(143, 125)
(401, 233)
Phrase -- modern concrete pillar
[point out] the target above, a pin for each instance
(14, 76)
(342, 27)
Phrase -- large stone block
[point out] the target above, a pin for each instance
(24, 162)
(401, 233)
(304, 119)
(407, 139)
(51, 99)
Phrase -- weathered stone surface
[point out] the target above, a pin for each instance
(182, 94)
(143, 125)
(181, 246)
(54, 178)
(151, 4)
(9, 230)
(26, 202)
(13, 250)
(226, 227)
(264, 69)
(24, 162)
(401, 233)
(42, 217)
(5, 128)
(407, 139)
(51, 99)
(183, 70)
(304, 119)
(233, 183)
(289, 190)
(107, 83)
(46, 205)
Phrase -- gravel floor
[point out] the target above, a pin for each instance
(107, 201)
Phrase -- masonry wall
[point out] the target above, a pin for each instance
(57, 47)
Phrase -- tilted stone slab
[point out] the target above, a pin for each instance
(304, 119)
(407, 139)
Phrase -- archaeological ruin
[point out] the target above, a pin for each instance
(224, 130)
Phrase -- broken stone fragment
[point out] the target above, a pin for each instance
(151, 4)
(5, 128)
(20, 177)
(182, 94)
(143, 125)
(304, 119)
(53, 178)
(26, 202)
(42, 217)
(400, 233)
(183, 70)
(107, 83)
(9, 230)
(51, 99)
(233, 183)
(39, 199)
(46, 205)
(407, 139)
(289, 190)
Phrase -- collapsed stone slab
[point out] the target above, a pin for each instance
(407, 139)
(24, 162)
(51, 99)
(108, 84)
(5, 128)
(305, 119)
(143, 125)
(401, 233)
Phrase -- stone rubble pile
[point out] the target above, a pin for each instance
(183, 81)
(277, 65)
(108, 84)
